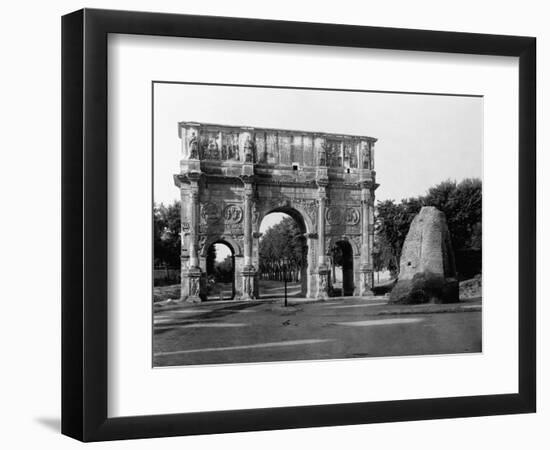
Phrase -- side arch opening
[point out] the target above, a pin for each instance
(220, 271)
(341, 261)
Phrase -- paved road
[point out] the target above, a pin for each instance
(340, 328)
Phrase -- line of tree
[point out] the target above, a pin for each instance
(283, 241)
(167, 237)
(223, 270)
(461, 202)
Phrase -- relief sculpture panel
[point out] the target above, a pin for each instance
(232, 214)
(332, 150)
(336, 215)
(230, 146)
(209, 212)
(209, 147)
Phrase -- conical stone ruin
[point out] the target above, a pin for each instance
(427, 271)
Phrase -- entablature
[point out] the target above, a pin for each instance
(232, 147)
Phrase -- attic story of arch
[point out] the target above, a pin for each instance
(230, 177)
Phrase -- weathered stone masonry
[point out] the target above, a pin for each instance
(231, 177)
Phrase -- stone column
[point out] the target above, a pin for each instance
(191, 278)
(322, 267)
(367, 241)
(247, 224)
(256, 235)
(311, 264)
(193, 225)
(248, 273)
(371, 237)
(322, 258)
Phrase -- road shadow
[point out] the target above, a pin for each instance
(272, 292)
(386, 288)
(201, 317)
(267, 296)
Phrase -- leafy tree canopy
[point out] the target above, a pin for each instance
(282, 241)
(166, 234)
(461, 203)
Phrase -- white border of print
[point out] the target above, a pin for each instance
(135, 388)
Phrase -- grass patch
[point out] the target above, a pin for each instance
(161, 293)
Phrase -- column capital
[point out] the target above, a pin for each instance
(248, 193)
(322, 183)
(248, 181)
(187, 178)
(194, 177)
(366, 184)
(368, 201)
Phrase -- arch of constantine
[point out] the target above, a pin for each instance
(232, 176)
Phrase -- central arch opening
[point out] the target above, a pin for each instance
(220, 271)
(282, 253)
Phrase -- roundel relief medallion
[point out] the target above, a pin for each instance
(232, 214)
(333, 215)
(336, 216)
(352, 216)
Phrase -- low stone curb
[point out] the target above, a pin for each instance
(426, 309)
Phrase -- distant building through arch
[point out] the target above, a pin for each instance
(232, 176)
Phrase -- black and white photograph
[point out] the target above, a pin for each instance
(275, 225)
(299, 224)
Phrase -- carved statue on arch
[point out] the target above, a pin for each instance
(249, 150)
(193, 146)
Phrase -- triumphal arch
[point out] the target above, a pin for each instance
(232, 176)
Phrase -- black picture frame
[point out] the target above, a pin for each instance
(84, 224)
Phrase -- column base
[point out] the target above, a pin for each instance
(367, 280)
(249, 283)
(191, 285)
(323, 287)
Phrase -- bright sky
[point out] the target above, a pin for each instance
(422, 139)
